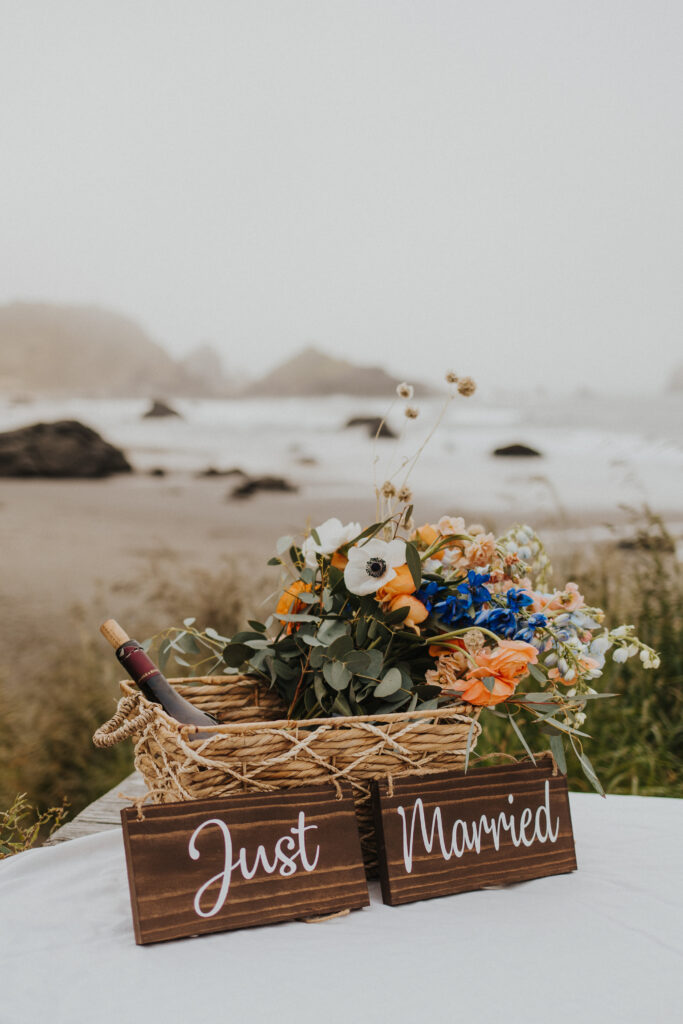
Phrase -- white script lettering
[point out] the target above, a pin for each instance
(288, 849)
(467, 836)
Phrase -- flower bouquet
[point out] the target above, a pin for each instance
(386, 646)
(393, 618)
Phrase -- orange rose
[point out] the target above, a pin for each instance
(289, 603)
(339, 561)
(510, 659)
(417, 612)
(506, 665)
(476, 692)
(402, 583)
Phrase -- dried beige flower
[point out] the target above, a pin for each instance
(448, 671)
(451, 377)
(474, 640)
(388, 489)
(411, 412)
(475, 529)
(405, 494)
(405, 390)
(466, 386)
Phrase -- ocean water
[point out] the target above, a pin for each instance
(597, 456)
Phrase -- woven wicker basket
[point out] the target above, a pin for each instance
(256, 748)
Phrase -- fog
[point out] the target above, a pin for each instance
(491, 186)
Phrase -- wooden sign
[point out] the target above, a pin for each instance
(256, 858)
(452, 832)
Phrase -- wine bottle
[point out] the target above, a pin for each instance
(149, 679)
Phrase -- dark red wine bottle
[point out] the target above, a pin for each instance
(150, 680)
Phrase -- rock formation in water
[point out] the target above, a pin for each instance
(66, 448)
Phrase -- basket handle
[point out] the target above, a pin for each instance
(121, 726)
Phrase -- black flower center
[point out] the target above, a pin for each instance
(376, 567)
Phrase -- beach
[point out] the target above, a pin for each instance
(96, 545)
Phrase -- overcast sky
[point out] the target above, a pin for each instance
(492, 186)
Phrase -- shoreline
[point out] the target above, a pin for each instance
(88, 548)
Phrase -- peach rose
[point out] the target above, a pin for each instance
(475, 691)
(510, 660)
(506, 665)
(481, 550)
(451, 524)
(339, 561)
(417, 612)
(402, 583)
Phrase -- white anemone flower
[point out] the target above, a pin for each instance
(332, 534)
(373, 565)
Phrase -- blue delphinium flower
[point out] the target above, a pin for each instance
(474, 588)
(454, 610)
(529, 627)
(517, 599)
(501, 621)
(429, 593)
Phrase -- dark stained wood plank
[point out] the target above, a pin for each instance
(453, 832)
(254, 858)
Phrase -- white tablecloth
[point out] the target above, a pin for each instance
(604, 944)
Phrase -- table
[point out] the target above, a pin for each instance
(604, 944)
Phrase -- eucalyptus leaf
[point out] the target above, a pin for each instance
(331, 630)
(374, 664)
(319, 688)
(336, 674)
(189, 622)
(414, 563)
(210, 632)
(557, 748)
(357, 661)
(340, 647)
(391, 682)
(342, 706)
(520, 737)
(297, 618)
(282, 544)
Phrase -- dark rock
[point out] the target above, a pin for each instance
(63, 449)
(522, 450)
(158, 409)
(211, 471)
(373, 424)
(157, 471)
(262, 483)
